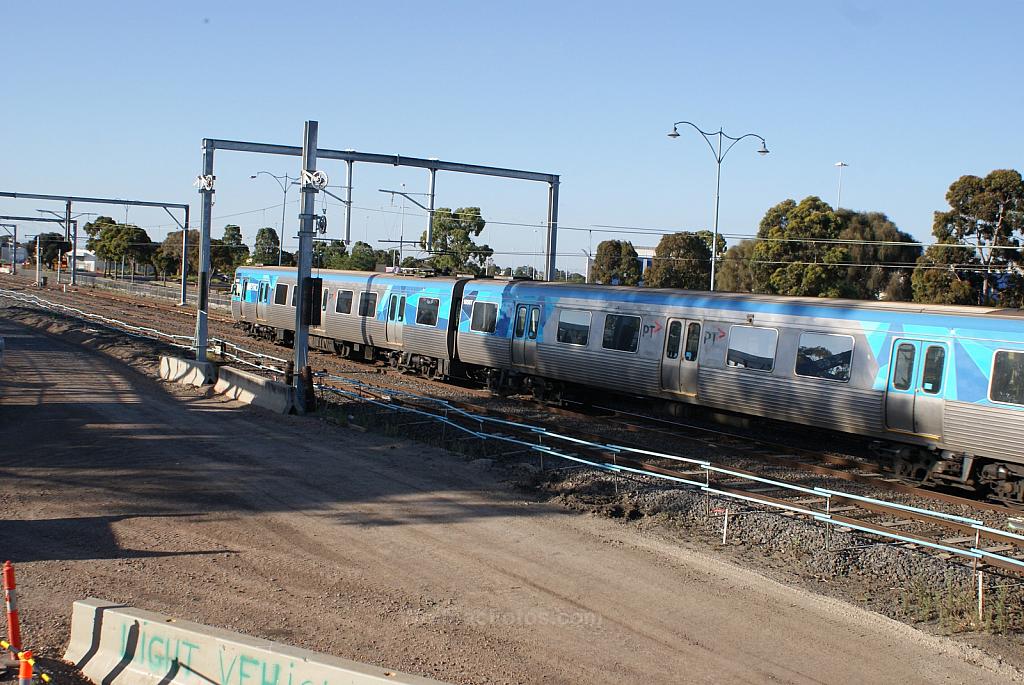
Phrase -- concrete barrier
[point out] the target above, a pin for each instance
(187, 371)
(115, 644)
(252, 389)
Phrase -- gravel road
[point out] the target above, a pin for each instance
(118, 486)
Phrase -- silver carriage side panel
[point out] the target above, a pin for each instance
(351, 327)
(851, 406)
(252, 290)
(983, 430)
(430, 341)
(281, 316)
(627, 372)
(484, 349)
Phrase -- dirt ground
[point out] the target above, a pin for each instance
(116, 485)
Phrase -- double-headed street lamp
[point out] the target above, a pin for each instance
(719, 155)
(285, 182)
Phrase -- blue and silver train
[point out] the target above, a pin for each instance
(940, 389)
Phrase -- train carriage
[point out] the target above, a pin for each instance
(402, 319)
(941, 388)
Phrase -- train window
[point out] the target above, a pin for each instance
(621, 333)
(393, 308)
(692, 341)
(426, 311)
(674, 337)
(368, 304)
(323, 303)
(294, 289)
(485, 317)
(934, 364)
(531, 332)
(822, 355)
(520, 321)
(281, 294)
(343, 305)
(904, 370)
(1008, 378)
(573, 327)
(751, 347)
(401, 309)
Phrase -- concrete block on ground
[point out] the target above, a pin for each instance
(187, 371)
(120, 645)
(252, 389)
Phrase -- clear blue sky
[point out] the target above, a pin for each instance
(113, 99)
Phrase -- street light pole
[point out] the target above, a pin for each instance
(284, 204)
(839, 195)
(719, 155)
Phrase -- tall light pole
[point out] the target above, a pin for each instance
(285, 182)
(839, 195)
(719, 155)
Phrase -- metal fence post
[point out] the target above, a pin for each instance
(981, 596)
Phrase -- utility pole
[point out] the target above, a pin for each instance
(184, 260)
(719, 155)
(67, 226)
(184, 264)
(839, 195)
(14, 253)
(205, 183)
(551, 243)
(430, 211)
(348, 201)
(401, 231)
(39, 264)
(303, 305)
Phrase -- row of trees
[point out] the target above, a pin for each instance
(116, 243)
(801, 248)
(807, 248)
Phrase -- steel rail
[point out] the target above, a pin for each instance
(881, 480)
(386, 399)
(433, 406)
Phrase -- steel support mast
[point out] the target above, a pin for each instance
(205, 183)
(303, 305)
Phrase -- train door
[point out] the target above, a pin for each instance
(263, 297)
(679, 363)
(524, 335)
(914, 399)
(396, 318)
(238, 298)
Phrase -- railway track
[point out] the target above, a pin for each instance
(614, 421)
(947, 535)
(832, 465)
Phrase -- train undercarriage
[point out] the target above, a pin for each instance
(994, 480)
(403, 362)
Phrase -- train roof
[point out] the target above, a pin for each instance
(290, 270)
(841, 303)
(621, 291)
